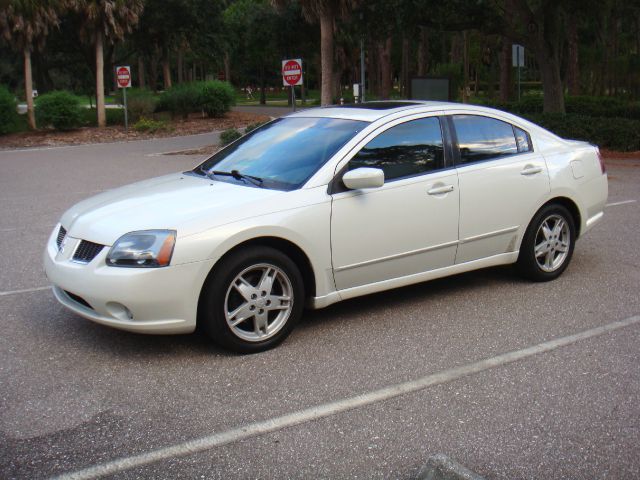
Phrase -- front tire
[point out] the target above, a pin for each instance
(547, 246)
(252, 300)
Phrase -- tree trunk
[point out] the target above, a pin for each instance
(166, 71)
(102, 116)
(141, 77)
(553, 93)
(505, 70)
(423, 52)
(465, 66)
(385, 69)
(371, 66)
(180, 65)
(573, 67)
(112, 64)
(227, 67)
(28, 88)
(326, 54)
(263, 87)
(404, 74)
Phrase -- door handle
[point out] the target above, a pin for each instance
(440, 190)
(530, 170)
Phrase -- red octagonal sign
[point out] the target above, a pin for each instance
(123, 75)
(292, 72)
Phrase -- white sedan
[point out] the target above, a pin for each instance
(324, 205)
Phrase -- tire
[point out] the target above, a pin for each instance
(547, 246)
(252, 300)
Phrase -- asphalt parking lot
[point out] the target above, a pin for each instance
(368, 388)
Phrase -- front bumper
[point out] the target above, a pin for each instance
(144, 300)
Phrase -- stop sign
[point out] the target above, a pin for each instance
(292, 72)
(123, 76)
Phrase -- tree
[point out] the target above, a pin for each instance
(325, 12)
(105, 20)
(25, 24)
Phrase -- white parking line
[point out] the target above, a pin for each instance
(333, 408)
(25, 290)
(624, 202)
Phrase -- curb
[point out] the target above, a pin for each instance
(441, 467)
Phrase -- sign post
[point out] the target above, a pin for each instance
(292, 76)
(517, 54)
(123, 77)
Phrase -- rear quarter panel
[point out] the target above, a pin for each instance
(575, 173)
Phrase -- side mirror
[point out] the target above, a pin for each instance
(363, 177)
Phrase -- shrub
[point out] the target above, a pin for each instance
(229, 136)
(607, 132)
(8, 113)
(148, 125)
(252, 126)
(181, 99)
(115, 116)
(59, 109)
(140, 103)
(216, 97)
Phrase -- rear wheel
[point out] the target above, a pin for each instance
(548, 244)
(253, 300)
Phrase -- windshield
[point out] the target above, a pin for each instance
(283, 154)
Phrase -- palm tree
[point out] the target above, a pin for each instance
(326, 12)
(106, 20)
(25, 25)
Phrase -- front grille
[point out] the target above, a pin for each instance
(61, 234)
(78, 299)
(87, 251)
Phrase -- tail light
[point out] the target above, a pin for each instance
(603, 167)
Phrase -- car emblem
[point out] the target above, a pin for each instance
(62, 245)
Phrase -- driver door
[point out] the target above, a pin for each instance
(407, 226)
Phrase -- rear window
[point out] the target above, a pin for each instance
(483, 138)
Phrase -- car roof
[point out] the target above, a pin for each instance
(372, 111)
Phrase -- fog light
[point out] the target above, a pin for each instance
(119, 311)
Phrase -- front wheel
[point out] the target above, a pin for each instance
(253, 300)
(547, 246)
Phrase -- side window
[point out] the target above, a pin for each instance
(483, 138)
(407, 149)
(523, 140)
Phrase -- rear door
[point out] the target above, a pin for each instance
(502, 181)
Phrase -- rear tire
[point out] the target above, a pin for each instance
(547, 246)
(252, 300)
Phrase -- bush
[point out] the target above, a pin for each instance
(60, 109)
(8, 113)
(252, 126)
(216, 97)
(115, 116)
(140, 103)
(148, 125)
(181, 99)
(608, 132)
(229, 136)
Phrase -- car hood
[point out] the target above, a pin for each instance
(182, 202)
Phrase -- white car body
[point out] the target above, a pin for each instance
(349, 243)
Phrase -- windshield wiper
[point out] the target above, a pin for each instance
(238, 176)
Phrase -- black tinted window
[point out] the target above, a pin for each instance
(522, 138)
(483, 138)
(407, 149)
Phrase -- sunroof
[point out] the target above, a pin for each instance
(378, 105)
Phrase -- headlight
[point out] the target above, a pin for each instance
(144, 249)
